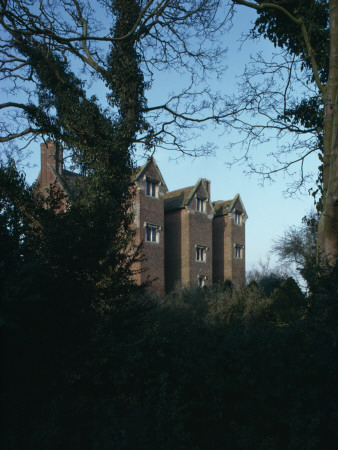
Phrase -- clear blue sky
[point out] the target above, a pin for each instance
(270, 213)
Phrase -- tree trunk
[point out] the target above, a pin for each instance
(328, 223)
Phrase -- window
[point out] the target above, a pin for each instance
(152, 233)
(238, 251)
(201, 279)
(200, 204)
(151, 188)
(238, 217)
(201, 253)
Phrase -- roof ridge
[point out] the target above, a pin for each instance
(70, 172)
(179, 190)
(222, 201)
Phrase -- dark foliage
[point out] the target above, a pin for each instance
(269, 283)
(283, 33)
(277, 27)
(207, 369)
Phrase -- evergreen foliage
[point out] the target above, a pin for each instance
(204, 369)
(274, 25)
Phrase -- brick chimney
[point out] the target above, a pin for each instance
(51, 153)
(207, 185)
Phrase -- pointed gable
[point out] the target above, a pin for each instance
(199, 189)
(223, 208)
(149, 170)
(182, 198)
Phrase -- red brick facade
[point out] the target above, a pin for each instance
(187, 239)
(51, 162)
(229, 241)
(53, 173)
(150, 189)
(188, 242)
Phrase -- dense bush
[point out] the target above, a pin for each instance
(205, 369)
(91, 362)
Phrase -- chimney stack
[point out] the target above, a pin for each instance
(51, 153)
(207, 185)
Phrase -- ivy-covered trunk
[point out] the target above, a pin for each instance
(328, 223)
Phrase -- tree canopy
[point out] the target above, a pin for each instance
(45, 47)
(306, 31)
(87, 36)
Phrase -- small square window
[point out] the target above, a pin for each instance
(200, 204)
(238, 251)
(151, 233)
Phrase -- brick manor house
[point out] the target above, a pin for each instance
(187, 238)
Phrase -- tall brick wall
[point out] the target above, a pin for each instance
(137, 267)
(200, 226)
(51, 156)
(220, 242)
(173, 248)
(51, 153)
(185, 248)
(226, 234)
(185, 229)
(238, 237)
(150, 210)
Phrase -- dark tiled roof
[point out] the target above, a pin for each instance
(222, 207)
(177, 199)
(225, 207)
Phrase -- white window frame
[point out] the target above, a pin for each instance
(152, 232)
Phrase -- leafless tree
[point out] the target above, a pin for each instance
(318, 82)
(169, 35)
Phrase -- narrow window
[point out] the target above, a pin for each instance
(151, 188)
(148, 187)
(199, 204)
(238, 251)
(238, 217)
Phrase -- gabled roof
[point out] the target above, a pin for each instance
(222, 207)
(140, 171)
(182, 197)
(177, 199)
